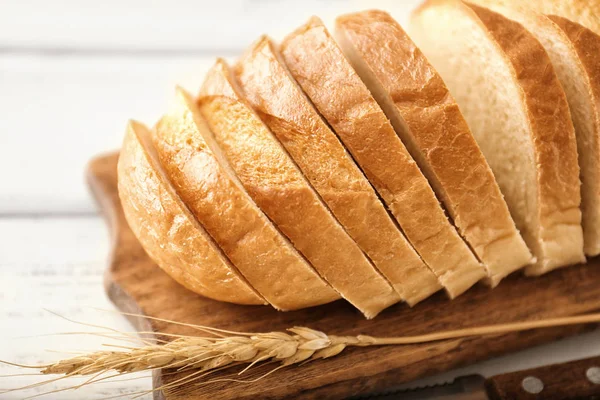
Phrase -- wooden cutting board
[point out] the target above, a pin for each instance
(135, 284)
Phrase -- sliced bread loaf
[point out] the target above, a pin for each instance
(278, 187)
(206, 183)
(282, 105)
(508, 91)
(168, 231)
(430, 124)
(575, 54)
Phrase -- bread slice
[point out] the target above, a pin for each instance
(172, 237)
(282, 105)
(583, 12)
(278, 187)
(430, 124)
(575, 54)
(316, 62)
(207, 185)
(509, 93)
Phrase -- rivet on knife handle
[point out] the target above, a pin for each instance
(573, 380)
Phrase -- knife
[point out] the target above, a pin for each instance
(573, 380)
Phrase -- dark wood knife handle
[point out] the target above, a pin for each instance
(573, 380)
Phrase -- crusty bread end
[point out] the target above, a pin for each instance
(168, 231)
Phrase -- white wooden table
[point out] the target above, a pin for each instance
(71, 74)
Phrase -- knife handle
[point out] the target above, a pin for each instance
(573, 380)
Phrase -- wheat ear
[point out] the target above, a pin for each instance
(297, 345)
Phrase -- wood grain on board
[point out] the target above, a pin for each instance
(136, 284)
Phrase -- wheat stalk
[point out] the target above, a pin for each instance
(226, 349)
(297, 345)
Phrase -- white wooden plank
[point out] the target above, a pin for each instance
(54, 264)
(169, 24)
(58, 112)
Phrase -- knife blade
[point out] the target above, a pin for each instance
(567, 381)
